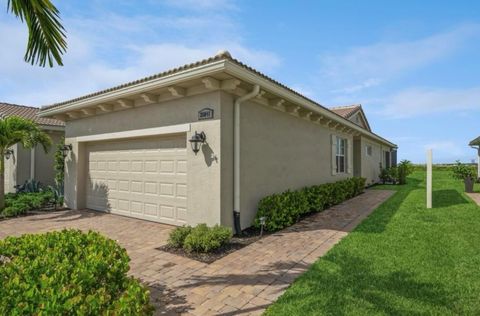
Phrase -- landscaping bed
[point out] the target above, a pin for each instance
(19, 204)
(275, 212)
(250, 236)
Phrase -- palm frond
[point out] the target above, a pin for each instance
(46, 39)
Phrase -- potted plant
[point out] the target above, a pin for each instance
(465, 173)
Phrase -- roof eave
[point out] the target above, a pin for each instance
(165, 81)
(252, 78)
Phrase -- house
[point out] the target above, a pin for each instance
(203, 143)
(476, 145)
(25, 164)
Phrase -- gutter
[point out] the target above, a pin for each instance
(236, 155)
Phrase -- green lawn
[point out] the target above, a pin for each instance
(402, 260)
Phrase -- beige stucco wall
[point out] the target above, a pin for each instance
(203, 169)
(371, 164)
(278, 152)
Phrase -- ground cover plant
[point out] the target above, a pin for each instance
(21, 203)
(403, 259)
(68, 273)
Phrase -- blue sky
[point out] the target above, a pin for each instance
(413, 65)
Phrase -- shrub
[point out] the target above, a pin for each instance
(285, 209)
(206, 239)
(17, 204)
(463, 171)
(177, 236)
(67, 273)
(282, 210)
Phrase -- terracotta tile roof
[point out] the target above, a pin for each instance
(224, 55)
(27, 112)
(346, 111)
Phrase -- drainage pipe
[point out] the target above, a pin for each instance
(236, 155)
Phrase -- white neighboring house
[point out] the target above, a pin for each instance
(204, 142)
(476, 144)
(25, 164)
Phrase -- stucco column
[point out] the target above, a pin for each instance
(75, 175)
(478, 162)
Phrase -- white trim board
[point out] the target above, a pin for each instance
(172, 129)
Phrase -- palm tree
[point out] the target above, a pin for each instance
(17, 130)
(46, 35)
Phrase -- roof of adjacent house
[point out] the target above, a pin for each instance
(475, 142)
(27, 112)
(346, 110)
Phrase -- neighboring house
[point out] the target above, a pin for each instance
(476, 145)
(369, 156)
(132, 145)
(25, 164)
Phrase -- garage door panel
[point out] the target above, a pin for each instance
(142, 178)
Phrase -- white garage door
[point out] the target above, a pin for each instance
(142, 178)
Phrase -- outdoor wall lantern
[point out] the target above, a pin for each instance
(66, 149)
(8, 153)
(197, 140)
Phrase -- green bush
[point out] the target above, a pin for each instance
(285, 209)
(17, 204)
(463, 171)
(177, 236)
(68, 273)
(206, 239)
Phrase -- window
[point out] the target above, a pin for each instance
(340, 156)
(368, 150)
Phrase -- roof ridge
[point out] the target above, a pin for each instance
(345, 106)
(19, 105)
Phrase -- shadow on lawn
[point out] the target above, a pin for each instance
(445, 198)
(384, 215)
(340, 281)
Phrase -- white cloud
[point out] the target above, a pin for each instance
(112, 49)
(418, 102)
(366, 66)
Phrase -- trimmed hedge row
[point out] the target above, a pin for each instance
(285, 209)
(21, 203)
(68, 273)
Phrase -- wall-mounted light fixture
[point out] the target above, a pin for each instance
(8, 153)
(197, 140)
(66, 149)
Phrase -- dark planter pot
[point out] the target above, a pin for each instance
(469, 185)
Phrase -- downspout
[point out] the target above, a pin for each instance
(236, 155)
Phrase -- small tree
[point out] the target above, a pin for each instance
(17, 130)
(405, 168)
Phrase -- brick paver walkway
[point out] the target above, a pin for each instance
(475, 197)
(242, 283)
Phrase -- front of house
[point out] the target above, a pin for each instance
(134, 147)
(23, 164)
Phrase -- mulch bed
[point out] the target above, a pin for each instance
(250, 235)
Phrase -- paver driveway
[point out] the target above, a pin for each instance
(242, 283)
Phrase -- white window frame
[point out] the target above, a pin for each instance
(339, 154)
